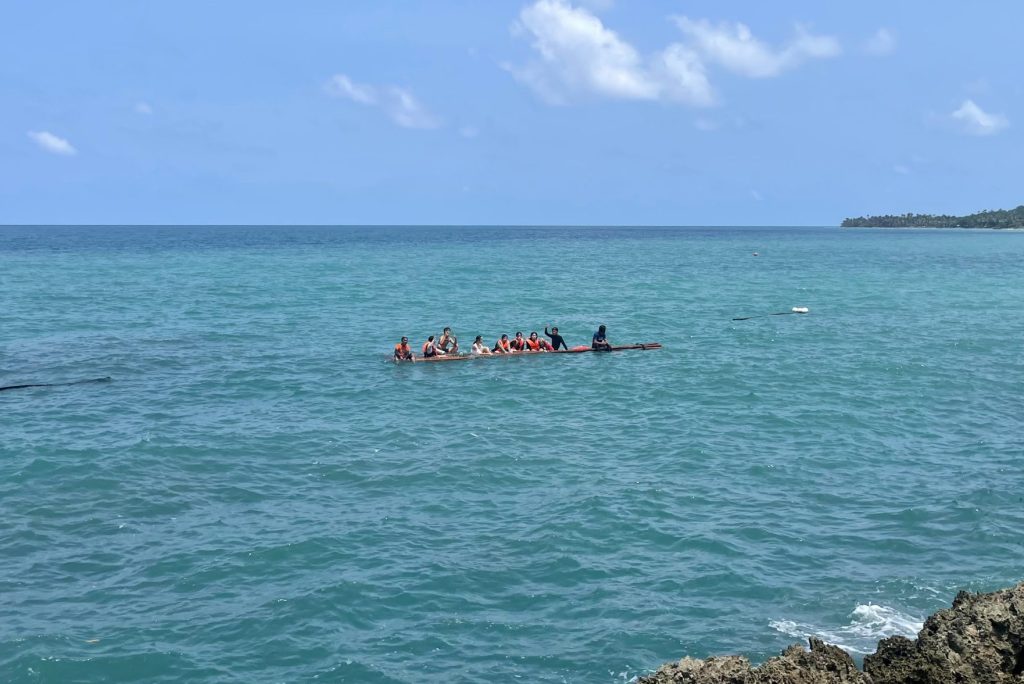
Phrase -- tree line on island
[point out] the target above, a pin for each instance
(996, 218)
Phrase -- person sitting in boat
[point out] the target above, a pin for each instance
(519, 344)
(430, 349)
(545, 345)
(533, 343)
(556, 339)
(479, 347)
(448, 343)
(503, 346)
(600, 340)
(403, 352)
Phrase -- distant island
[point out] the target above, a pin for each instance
(998, 218)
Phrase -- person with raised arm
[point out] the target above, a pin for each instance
(556, 339)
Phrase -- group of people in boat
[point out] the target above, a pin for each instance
(447, 343)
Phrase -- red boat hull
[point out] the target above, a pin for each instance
(575, 350)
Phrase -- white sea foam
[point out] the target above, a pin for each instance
(868, 623)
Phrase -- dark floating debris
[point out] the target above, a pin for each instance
(55, 384)
(794, 310)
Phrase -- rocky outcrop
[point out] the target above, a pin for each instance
(823, 664)
(980, 640)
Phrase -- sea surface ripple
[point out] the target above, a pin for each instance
(259, 495)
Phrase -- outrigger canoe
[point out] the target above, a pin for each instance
(575, 350)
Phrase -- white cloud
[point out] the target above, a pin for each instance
(682, 76)
(341, 85)
(400, 105)
(735, 48)
(406, 111)
(578, 55)
(469, 131)
(143, 108)
(975, 121)
(52, 143)
(882, 43)
(901, 169)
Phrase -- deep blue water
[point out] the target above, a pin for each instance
(258, 495)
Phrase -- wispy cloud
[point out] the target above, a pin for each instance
(469, 131)
(576, 55)
(52, 143)
(975, 121)
(399, 104)
(341, 85)
(143, 108)
(734, 47)
(880, 44)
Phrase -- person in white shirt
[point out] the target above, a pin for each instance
(479, 347)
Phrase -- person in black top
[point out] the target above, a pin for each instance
(600, 340)
(556, 339)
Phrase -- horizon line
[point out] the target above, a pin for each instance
(416, 225)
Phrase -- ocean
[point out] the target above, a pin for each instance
(260, 495)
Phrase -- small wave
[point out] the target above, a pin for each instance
(868, 624)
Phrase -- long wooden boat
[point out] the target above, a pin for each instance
(575, 350)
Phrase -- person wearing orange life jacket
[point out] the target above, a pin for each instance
(502, 346)
(403, 352)
(519, 344)
(533, 343)
(430, 349)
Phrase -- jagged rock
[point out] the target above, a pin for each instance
(823, 664)
(980, 640)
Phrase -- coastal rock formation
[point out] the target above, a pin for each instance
(823, 664)
(980, 640)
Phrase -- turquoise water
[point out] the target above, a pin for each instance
(260, 496)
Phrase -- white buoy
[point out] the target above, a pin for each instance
(800, 309)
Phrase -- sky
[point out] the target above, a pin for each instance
(451, 112)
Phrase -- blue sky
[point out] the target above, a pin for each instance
(501, 112)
